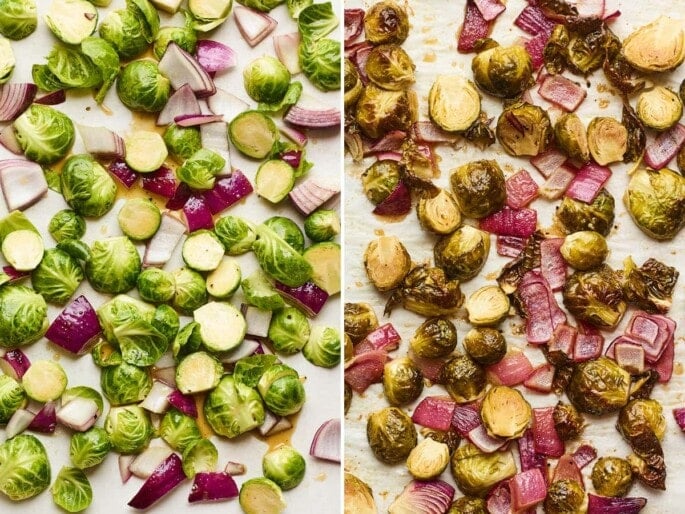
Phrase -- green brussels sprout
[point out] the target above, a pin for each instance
(322, 225)
(505, 412)
(167, 323)
(476, 472)
(72, 69)
(390, 67)
(285, 466)
(260, 292)
(595, 297)
(288, 230)
(468, 505)
(359, 320)
(402, 381)
(7, 60)
(584, 250)
(125, 383)
(266, 80)
(129, 428)
(523, 129)
(379, 111)
(564, 496)
(463, 378)
(655, 199)
(182, 142)
(104, 354)
(386, 22)
(463, 253)
(380, 179)
(18, 18)
(281, 389)
(57, 276)
(607, 139)
(568, 422)
(478, 188)
(119, 310)
(141, 86)
(235, 234)
(612, 476)
(45, 134)
(651, 286)
(190, 291)
(179, 430)
(199, 456)
(260, 494)
(106, 60)
(599, 386)
(114, 265)
(576, 215)
(71, 490)
(187, 341)
(88, 449)
(278, 259)
(23, 316)
(24, 467)
(503, 71)
(571, 137)
(12, 397)
(232, 408)
(484, 345)
(185, 37)
(657, 46)
(434, 338)
(66, 224)
(352, 84)
(358, 496)
(209, 14)
(323, 347)
(320, 62)
(156, 285)
(428, 292)
(391, 435)
(126, 31)
(439, 214)
(261, 5)
(86, 186)
(249, 370)
(200, 169)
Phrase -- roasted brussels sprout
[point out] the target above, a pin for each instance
(640, 415)
(359, 319)
(612, 476)
(390, 67)
(463, 378)
(468, 505)
(387, 262)
(503, 71)
(347, 396)
(650, 287)
(478, 188)
(386, 22)
(564, 497)
(571, 137)
(352, 84)
(599, 386)
(402, 381)
(657, 46)
(607, 139)
(428, 459)
(391, 435)
(453, 103)
(434, 338)
(505, 412)
(428, 292)
(485, 345)
(595, 297)
(380, 179)
(584, 250)
(476, 472)
(659, 108)
(523, 129)
(439, 214)
(655, 200)
(568, 422)
(379, 111)
(463, 253)
(358, 496)
(487, 306)
(637, 138)
(575, 215)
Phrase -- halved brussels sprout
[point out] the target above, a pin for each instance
(595, 297)
(125, 383)
(568, 422)
(463, 253)
(289, 330)
(71, 490)
(427, 291)
(7, 60)
(66, 224)
(156, 285)
(320, 61)
(281, 389)
(390, 67)
(12, 397)
(387, 262)
(182, 142)
(402, 381)
(464, 379)
(523, 129)
(86, 186)
(88, 449)
(607, 139)
(503, 71)
(485, 345)
(428, 459)
(584, 250)
(599, 386)
(659, 108)
(57, 276)
(18, 18)
(235, 234)
(386, 22)
(439, 214)
(576, 215)
(468, 505)
(657, 46)
(114, 265)
(352, 84)
(434, 338)
(487, 306)
(127, 31)
(23, 316)
(505, 412)
(476, 472)
(45, 134)
(612, 476)
(233, 408)
(479, 188)
(358, 496)
(453, 103)
(185, 37)
(650, 286)
(391, 435)
(323, 347)
(359, 320)
(571, 137)
(564, 496)
(24, 467)
(379, 111)
(380, 179)
(639, 415)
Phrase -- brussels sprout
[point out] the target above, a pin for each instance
(486, 346)
(595, 297)
(402, 381)
(428, 292)
(114, 265)
(657, 46)
(390, 67)
(359, 320)
(57, 276)
(640, 415)
(23, 316)
(568, 422)
(125, 383)
(235, 234)
(167, 323)
(72, 69)
(18, 18)
(478, 188)
(434, 338)
(322, 225)
(387, 262)
(323, 347)
(487, 306)
(352, 84)
(391, 435)
(104, 354)
(156, 285)
(468, 505)
(260, 495)
(571, 137)
(129, 428)
(105, 59)
(187, 341)
(141, 86)
(190, 290)
(650, 286)
(200, 169)
(7, 60)
(439, 214)
(503, 71)
(523, 129)
(358, 496)
(119, 310)
(476, 472)
(45, 135)
(209, 14)
(599, 386)
(185, 37)
(262, 5)
(637, 138)
(71, 490)
(88, 449)
(281, 389)
(505, 412)
(464, 379)
(380, 179)
(453, 103)
(266, 79)
(386, 22)
(86, 186)
(126, 30)
(655, 200)
(179, 430)
(659, 108)
(249, 370)
(66, 224)
(233, 408)
(584, 250)
(607, 140)
(278, 259)
(428, 459)
(289, 330)
(24, 467)
(85, 393)
(182, 142)
(12, 397)
(285, 466)
(564, 497)
(463, 253)
(200, 456)
(612, 476)
(379, 111)
(575, 215)
(288, 230)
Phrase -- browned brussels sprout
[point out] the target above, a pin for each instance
(659, 108)
(596, 297)
(487, 306)
(648, 463)
(453, 103)
(599, 386)
(571, 137)
(448, 437)
(485, 345)
(479, 188)
(348, 397)
(657, 46)
(655, 200)
(649, 287)
(463, 253)
(435, 337)
(387, 262)
(612, 476)
(621, 74)
(640, 415)
(428, 459)
(391, 435)
(568, 422)
(555, 52)
(468, 505)
(564, 497)
(575, 215)
(503, 71)
(358, 496)
(353, 84)
(607, 140)
(439, 214)
(523, 129)
(680, 159)
(427, 291)
(480, 133)
(464, 379)
(505, 412)
(402, 381)
(380, 179)
(584, 250)
(637, 139)
(349, 348)
(476, 472)
(379, 111)
(386, 22)
(582, 51)
(390, 67)
(360, 319)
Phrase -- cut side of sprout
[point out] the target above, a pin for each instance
(453, 103)
(23, 249)
(198, 372)
(44, 381)
(225, 279)
(202, 251)
(222, 327)
(72, 20)
(145, 151)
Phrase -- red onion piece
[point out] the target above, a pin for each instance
(8, 139)
(530, 459)
(287, 47)
(214, 56)
(257, 321)
(181, 196)
(666, 145)
(311, 194)
(195, 120)
(562, 92)
(102, 142)
(183, 402)
(428, 132)
(664, 366)
(14, 274)
(309, 297)
(398, 202)
(424, 497)
(528, 488)
(513, 369)
(75, 327)
(311, 113)
(606, 505)
(166, 477)
(486, 443)
(227, 191)
(430, 368)
(552, 264)
(52, 98)
(124, 464)
(235, 468)
(160, 248)
(489, 9)
(247, 348)
(473, 28)
(653, 330)
(590, 8)
(547, 441)
(182, 101)
(292, 157)
(679, 415)
(45, 421)
(212, 486)
(157, 400)
(197, 214)
(499, 499)
(326, 442)
(563, 340)
(14, 363)
(533, 21)
(390, 142)
(19, 421)
(161, 182)
(465, 418)
(630, 356)
(588, 182)
(540, 314)
(182, 68)
(226, 104)
(365, 369)
(535, 47)
(556, 184)
(253, 25)
(548, 161)
(584, 455)
(148, 460)
(510, 246)
(295, 135)
(434, 412)
(270, 420)
(22, 182)
(541, 378)
(354, 24)
(587, 347)
(521, 189)
(359, 58)
(384, 338)
(79, 414)
(123, 173)
(511, 222)
(567, 469)
(15, 99)
(389, 156)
